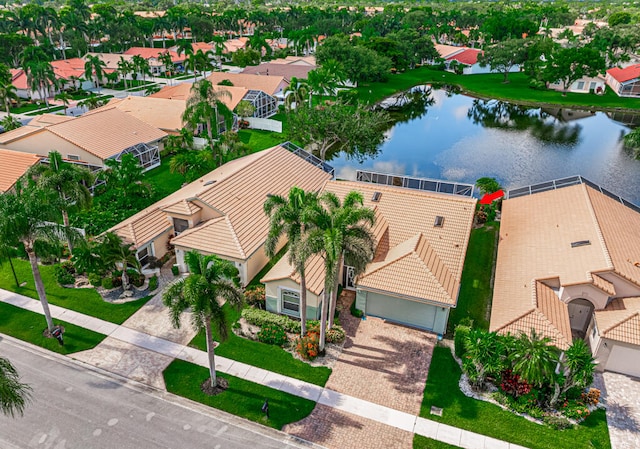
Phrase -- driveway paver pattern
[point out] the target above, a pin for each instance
(621, 395)
(382, 363)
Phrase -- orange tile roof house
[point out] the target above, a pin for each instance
(67, 71)
(624, 82)
(153, 56)
(287, 71)
(271, 85)
(13, 165)
(221, 213)
(569, 267)
(414, 278)
(89, 139)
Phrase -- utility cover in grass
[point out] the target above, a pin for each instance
(436, 410)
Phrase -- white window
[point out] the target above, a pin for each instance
(290, 302)
(592, 85)
(73, 157)
(144, 254)
(580, 85)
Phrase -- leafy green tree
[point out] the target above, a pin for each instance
(13, 45)
(341, 235)
(94, 69)
(28, 218)
(484, 355)
(9, 122)
(125, 177)
(205, 106)
(503, 56)
(360, 64)
(70, 182)
(211, 281)
(488, 185)
(330, 130)
(192, 164)
(245, 109)
(632, 141)
(578, 366)
(119, 255)
(40, 74)
(290, 216)
(567, 65)
(619, 18)
(8, 94)
(533, 358)
(14, 395)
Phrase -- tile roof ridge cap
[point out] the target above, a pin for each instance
(386, 262)
(133, 233)
(235, 236)
(594, 216)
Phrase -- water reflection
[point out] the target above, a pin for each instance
(459, 138)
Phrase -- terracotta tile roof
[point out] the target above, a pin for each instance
(19, 79)
(44, 120)
(603, 284)
(236, 190)
(66, 68)
(287, 71)
(111, 60)
(314, 273)
(627, 74)
(182, 207)
(468, 57)
(106, 133)
(14, 164)
(445, 51)
(160, 113)
(536, 233)
(139, 232)
(19, 133)
(620, 320)
(296, 60)
(183, 91)
(413, 257)
(232, 45)
(154, 53)
(266, 83)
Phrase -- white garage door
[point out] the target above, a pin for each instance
(401, 311)
(624, 360)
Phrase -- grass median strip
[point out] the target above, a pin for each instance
(28, 326)
(269, 357)
(242, 398)
(420, 442)
(488, 419)
(82, 300)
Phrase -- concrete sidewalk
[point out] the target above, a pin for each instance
(323, 396)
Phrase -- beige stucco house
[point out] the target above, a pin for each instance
(221, 213)
(421, 241)
(89, 139)
(569, 267)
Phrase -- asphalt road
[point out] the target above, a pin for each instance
(77, 407)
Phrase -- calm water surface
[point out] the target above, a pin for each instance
(462, 139)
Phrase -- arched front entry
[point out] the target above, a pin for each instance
(580, 314)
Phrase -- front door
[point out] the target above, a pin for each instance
(348, 278)
(580, 312)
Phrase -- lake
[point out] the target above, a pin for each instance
(458, 138)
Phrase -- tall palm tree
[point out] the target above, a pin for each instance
(94, 69)
(296, 92)
(124, 69)
(165, 59)
(8, 93)
(218, 49)
(14, 395)
(40, 75)
(71, 183)
(64, 97)
(29, 216)
(118, 254)
(341, 235)
(211, 281)
(204, 106)
(533, 358)
(289, 216)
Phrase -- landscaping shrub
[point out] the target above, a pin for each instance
(262, 318)
(175, 270)
(95, 279)
(557, 422)
(255, 297)
(116, 281)
(355, 311)
(592, 397)
(64, 273)
(107, 283)
(513, 385)
(334, 335)
(153, 283)
(575, 410)
(460, 337)
(154, 262)
(273, 334)
(307, 346)
(135, 277)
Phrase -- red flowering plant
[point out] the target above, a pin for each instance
(514, 385)
(307, 346)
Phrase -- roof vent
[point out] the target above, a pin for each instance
(439, 222)
(376, 196)
(208, 183)
(580, 243)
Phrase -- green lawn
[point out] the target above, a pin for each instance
(274, 260)
(28, 326)
(242, 398)
(258, 139)
(488, 419)
(475, 288)
(83, 300)
(163, 181)
(269, 357)
(420, 442)
(491, 86)
(51, 110)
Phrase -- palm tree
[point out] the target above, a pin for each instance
(14, 395)
(141, 66)
(191, 164)
(8, 93)
(219, 49)
(296, 92)
(204, 106)
(289, 216)
(29, 217)
(40, 74)
(211, 281)
(124, 69)
(485, 351)
(341, 235)
(69, 181)
(533, 358)
(94, 69)
(64, 97)
(9, 122)
(578, 367)
(165, 59)
(125, 176)
(118, 254)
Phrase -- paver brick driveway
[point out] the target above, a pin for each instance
(383, 363)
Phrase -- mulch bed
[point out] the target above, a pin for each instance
(222, 385)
